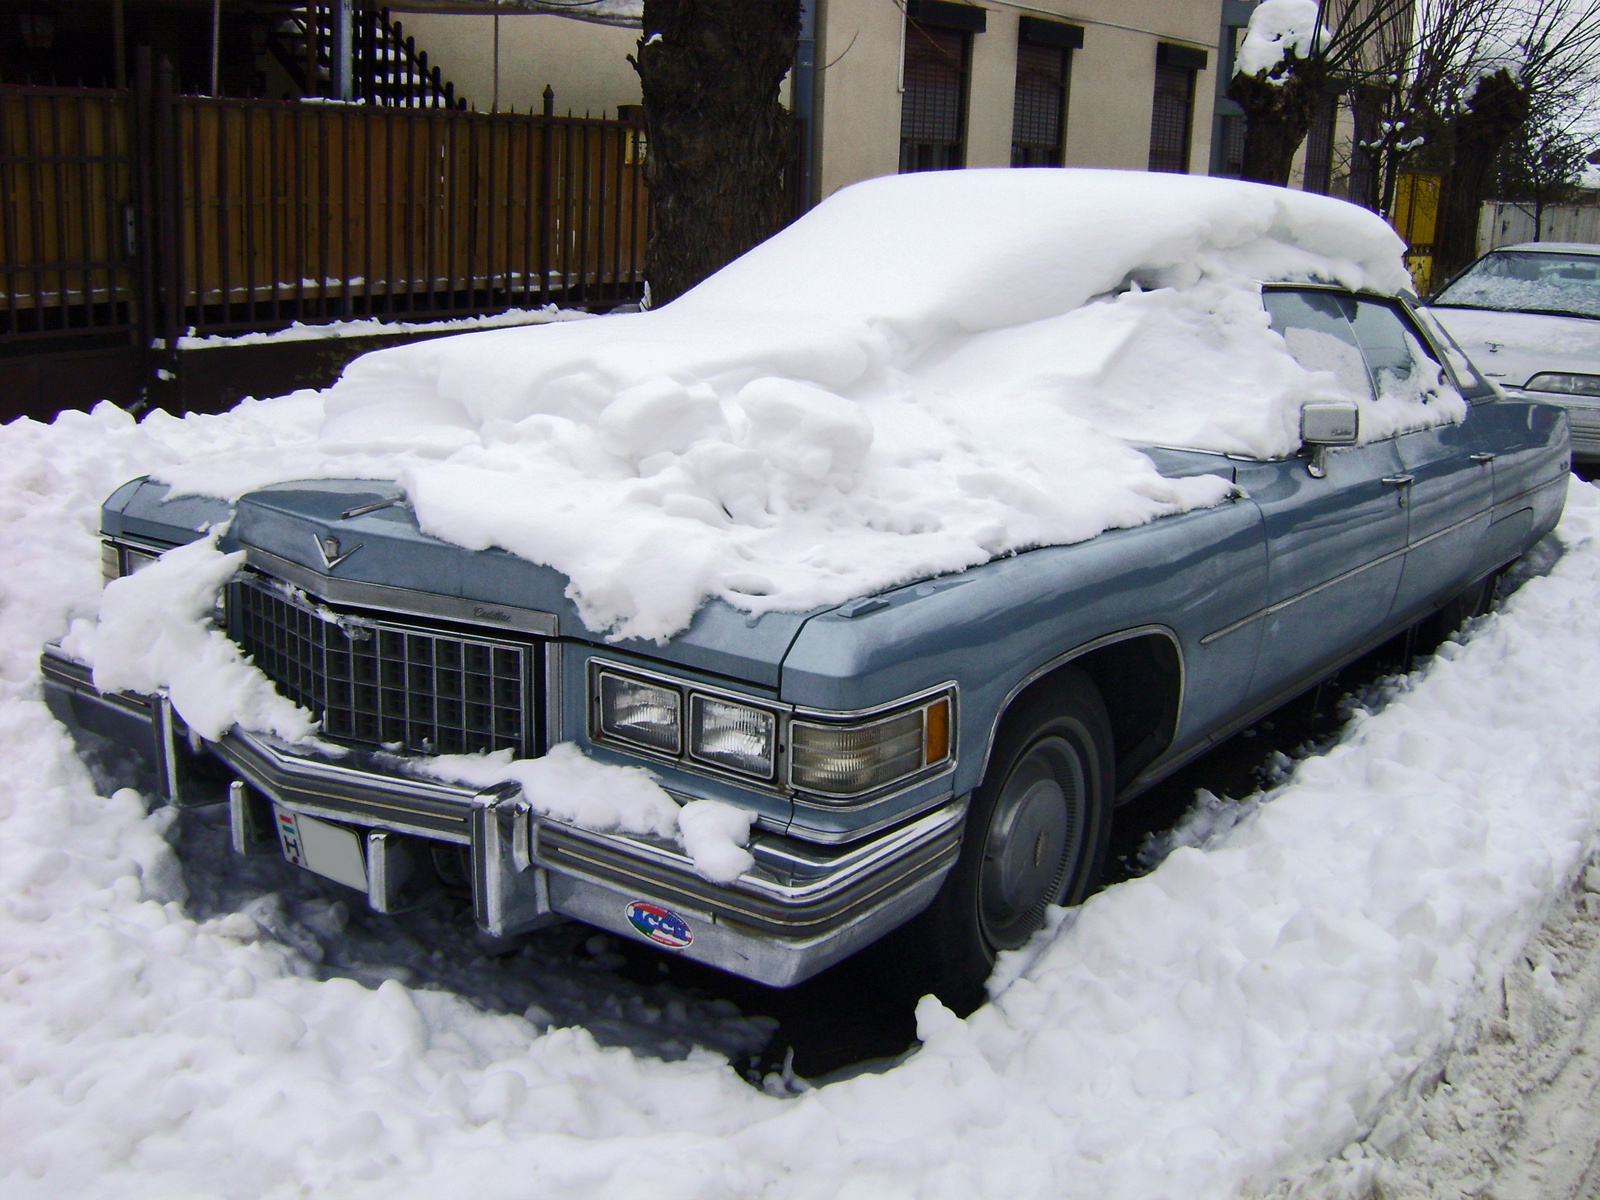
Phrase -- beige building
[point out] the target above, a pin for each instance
(1094, 83)
(899, 85)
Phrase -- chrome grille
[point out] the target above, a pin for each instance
(393, 686)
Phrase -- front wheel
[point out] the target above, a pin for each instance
(1036, 835)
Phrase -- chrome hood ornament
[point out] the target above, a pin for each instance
(328, 548)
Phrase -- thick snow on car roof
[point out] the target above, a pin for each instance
(922, 373)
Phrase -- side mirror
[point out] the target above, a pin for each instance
(1324, 425)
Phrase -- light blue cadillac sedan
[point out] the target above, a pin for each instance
(946, 752)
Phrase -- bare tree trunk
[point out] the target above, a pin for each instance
(1277, 118)
(718, 138)
(1495, 112)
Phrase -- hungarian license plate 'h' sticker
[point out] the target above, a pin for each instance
(330, 850)
(289, 838)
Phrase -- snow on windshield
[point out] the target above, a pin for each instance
(923, 373)
(1530, 281)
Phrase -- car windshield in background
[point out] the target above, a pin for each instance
(1529, 281)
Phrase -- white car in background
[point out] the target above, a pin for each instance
(1529, 317)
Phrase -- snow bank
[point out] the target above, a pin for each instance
(1278, 27)
(1238, 1013)
(901, 384)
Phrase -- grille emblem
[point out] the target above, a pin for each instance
(328, 547)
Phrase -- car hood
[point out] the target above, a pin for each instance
(385, 547)
(1512, 347)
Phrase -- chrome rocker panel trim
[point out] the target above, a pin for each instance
(799, 910)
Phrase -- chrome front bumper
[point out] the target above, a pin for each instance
(800, 909)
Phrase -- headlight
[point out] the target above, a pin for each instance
(644, 714)
(845, 760)
(835, 759)
(732, 735)
(117, 561)
(1565, 385)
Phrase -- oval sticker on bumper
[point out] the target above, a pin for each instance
(662, 926)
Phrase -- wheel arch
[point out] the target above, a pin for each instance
(1139, 673)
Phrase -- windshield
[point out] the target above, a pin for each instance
(1529, 281)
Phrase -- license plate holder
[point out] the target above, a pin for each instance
(329, 850)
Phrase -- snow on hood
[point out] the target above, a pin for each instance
(921, 374)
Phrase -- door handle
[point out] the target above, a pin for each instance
(1480, 459)
(1402, 485)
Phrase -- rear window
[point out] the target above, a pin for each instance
(1529, 281)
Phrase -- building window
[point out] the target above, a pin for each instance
(933, 110)
(1172, 116)
(1039, 111)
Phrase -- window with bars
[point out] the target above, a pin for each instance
(1172, 118)
(1038, 120)
(933, 110)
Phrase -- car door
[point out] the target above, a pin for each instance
(1448, 479)
(1335, 544)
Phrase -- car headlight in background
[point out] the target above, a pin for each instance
(845, 760)
(644, 714)
(1565, 384)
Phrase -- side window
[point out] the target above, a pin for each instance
(1401, 366)
(1317, 327)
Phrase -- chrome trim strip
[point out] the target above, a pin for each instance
(855, 714)
(1280, 605)
(482, 613)
(820, 837)
(554, 700)
(831, 876)
(1379, 561)
(1061, 660)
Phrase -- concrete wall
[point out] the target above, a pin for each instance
(1109, 101)
(587, 64)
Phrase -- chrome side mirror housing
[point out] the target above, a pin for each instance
(1331, 424)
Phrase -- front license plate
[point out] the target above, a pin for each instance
(330, 850)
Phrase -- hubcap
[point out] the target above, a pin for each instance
(1034, 840)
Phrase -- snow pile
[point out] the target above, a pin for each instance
(1279, 27)
(568, 785)
(155, 631)
(891, 388)
(1241, 1012)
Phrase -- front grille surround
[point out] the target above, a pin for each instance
(410, 688)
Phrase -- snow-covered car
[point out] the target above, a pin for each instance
(1529, 316)
(858, 585)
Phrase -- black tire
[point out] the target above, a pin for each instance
(1036, 834)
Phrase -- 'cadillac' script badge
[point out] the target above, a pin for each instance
(328, 547)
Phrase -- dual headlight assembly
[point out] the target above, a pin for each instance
(832, 759)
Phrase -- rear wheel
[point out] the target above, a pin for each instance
(1036, 835)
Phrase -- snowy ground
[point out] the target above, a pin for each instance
(1346, 986)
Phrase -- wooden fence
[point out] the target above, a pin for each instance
(141, 214)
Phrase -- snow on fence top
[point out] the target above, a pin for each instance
(922, 373)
